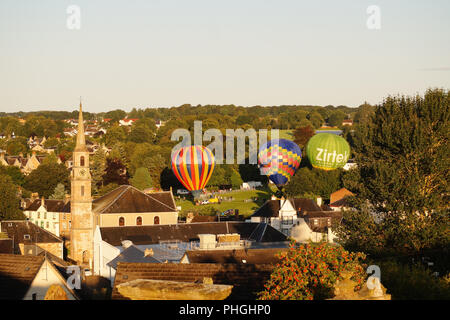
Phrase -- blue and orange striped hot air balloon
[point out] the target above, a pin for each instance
(193, 166)
(279, 159)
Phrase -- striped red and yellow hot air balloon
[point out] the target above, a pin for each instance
(193, 166)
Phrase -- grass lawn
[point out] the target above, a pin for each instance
(239, 202)
(287, 134)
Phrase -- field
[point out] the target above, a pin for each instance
(246, 201)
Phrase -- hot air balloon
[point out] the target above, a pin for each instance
(327, 151)
(279, 159)
(193, 166)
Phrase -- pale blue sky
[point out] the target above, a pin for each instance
(148, 53)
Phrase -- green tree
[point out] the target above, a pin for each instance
(59, 193)
(141, 179)
(336, 118)
(14, 172)
(9, 200)
(46, 177)
(98, 167)
(310, 272)
(402, 175)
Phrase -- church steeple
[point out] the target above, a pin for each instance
(81, 140)
(81, 200)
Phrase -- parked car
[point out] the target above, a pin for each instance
(182, 191)
(204, 202)
(213, 200)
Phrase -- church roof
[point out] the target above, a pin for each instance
(128, 199)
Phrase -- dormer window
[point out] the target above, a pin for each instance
(26, 237)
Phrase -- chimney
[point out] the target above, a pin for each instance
(148, 252)
(126, 244)
(273, 197)
(207, 241)
(319, 201)
(66, 198)
(42, 201)
(33, 153)
(34, 196)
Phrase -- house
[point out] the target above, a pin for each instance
(351, 164)
(170, 242)
(29, 239)
(347, 122)
(25, 164)
(316, 226)
(246, 279)
(127, 122)
(51, 215)
(340, 194)
(159, 123)
(303, 219)
(251, 185)
(29, 278)
(339, 199)
(131, 253)
(282, 213)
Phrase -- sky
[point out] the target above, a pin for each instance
(163, 53)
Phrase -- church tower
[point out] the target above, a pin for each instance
(82, 228)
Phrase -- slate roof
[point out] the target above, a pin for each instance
(142, 235)
(128, 199)
(17, 230)
(6, 245)
(271, 208)
(251, 256)
(132, 254)
(17, 272)
(50, 205)
(247, 279)
(341, 203)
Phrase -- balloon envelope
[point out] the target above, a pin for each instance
(193, 166)
(279, 159)
(327, 151)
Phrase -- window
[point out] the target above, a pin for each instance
(287, 220)
(156, 220)
(316, 222)
(47, 225)
(39, 215)
(82, 191)
(81, 161)
(121, 221)
(45, 215)
(139, 221)
(26, 236)
(34, 296)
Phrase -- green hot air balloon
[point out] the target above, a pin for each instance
(327, 151)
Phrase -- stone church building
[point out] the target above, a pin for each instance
(124, 206)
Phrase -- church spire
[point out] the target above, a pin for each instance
(81, 140)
